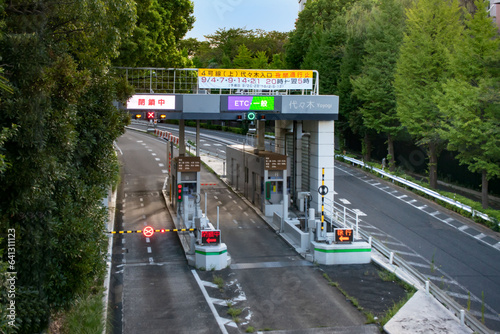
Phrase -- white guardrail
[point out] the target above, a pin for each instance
(418, 187)
(336, 212)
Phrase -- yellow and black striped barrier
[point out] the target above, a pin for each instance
(146, 230)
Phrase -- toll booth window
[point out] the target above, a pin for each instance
(280, 187)
(189, 189)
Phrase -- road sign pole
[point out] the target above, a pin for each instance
(323, 202)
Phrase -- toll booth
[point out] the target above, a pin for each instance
(261, 176)
(185, 189)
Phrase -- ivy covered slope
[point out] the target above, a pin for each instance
(58, 124)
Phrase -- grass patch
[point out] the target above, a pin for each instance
(234, 313)
(219, 281)
(388, 276)
(250, 329)
(85, 316)
(394, 309)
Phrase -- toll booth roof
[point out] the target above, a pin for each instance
(251, 150)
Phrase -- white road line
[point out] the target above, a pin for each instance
(253, 221)
(219, 202)
(141, 199)
(145, 224)
(402, 196)
(143, 216)
(209, 302)
(153, 154)
(480, 236)
(147, 240)
(497, 245)
(142, 204)
(421, 207)
(234, 221)
(149, 249)
(408, 254)
(395, 243)
(457, 295)
(230, 197)
(463, 228)
(375, 184)
(157, 159)
(123, 240)
(447, 220)
(344, 201)
(359, 212)
(224, 208)
(216, 197)
(412, 201)
(239, 206)
(417, 264)
(435, 213)
(151, 260)
(164, 171)
(210, 284)
(150, 150)
(161, 165)
(246, 214)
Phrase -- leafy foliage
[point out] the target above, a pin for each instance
(423, 66)
(159, 27)
(60, 155)
(470, 102)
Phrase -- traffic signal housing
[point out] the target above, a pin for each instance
(179, 192)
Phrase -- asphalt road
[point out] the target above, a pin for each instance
(449, 249)
(153, 288)
(457, 254)
(155, 291)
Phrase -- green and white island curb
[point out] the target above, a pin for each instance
(211, 257)
(358, 252)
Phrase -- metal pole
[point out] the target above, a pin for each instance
(217, 217)
(323, 203)
(206, 215)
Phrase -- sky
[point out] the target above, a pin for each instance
(279, 15)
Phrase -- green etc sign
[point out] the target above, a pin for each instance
(250, 103)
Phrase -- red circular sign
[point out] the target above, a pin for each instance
(148, 231)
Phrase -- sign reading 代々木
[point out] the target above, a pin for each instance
(254, 79)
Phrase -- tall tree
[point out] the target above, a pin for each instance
(374, 86)
(244, 58)
(470, 102)
(433, 27)
(57, 58)
(154, 42)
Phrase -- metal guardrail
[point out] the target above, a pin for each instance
(336, 212)
(420, 188)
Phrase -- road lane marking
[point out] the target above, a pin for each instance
(239, 206)
(435, 213)
(157, 159)
(220, 203)
(161, 165)
(246, 214)
(234, 221)
(401, 197)
(447, 220)
(216, 197)
(149, 250)
(141, 199)
(230, 197)
(234, 201)
(147, 240)
(164, 171)
(497, 246)
(153, 154)
(220, 321)
(344, 201)
(417, 264)
(463, 228)
(457, 295)
(253, 221)
(480, 236)
(151, 260)
(359, 212)
(412, 201)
